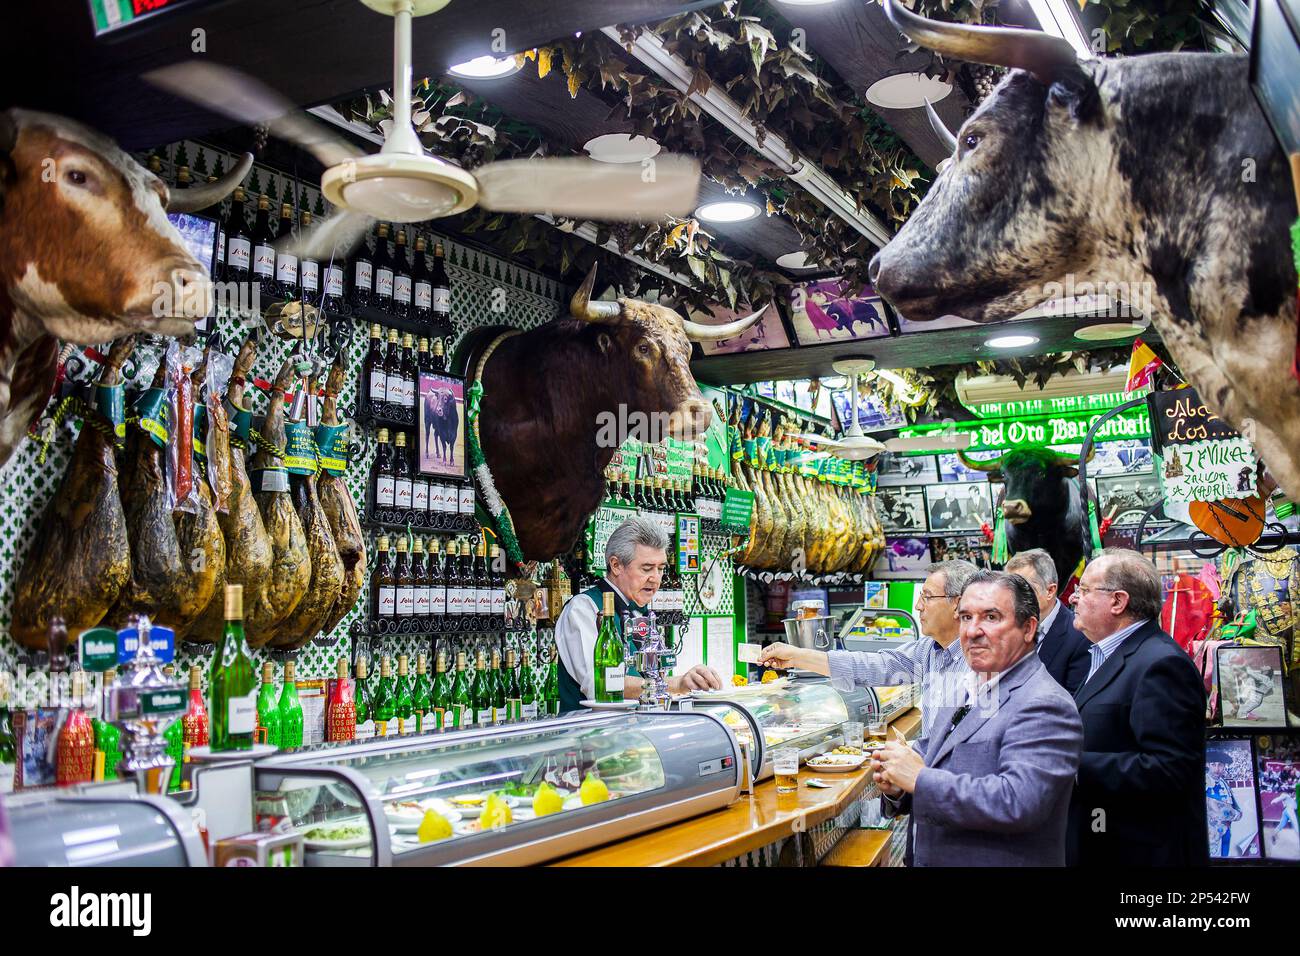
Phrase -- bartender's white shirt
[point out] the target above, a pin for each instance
(575, 637)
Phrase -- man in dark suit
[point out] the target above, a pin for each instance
(1061, 646)
(1138, 798)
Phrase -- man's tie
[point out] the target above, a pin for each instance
(959, 714)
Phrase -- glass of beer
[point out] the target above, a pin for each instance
(877, 731)
(785, 765)
(852, 733)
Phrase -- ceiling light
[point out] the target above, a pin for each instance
(728, 210)
(621, 148)
(1056, 18)
(1105, 331)
(904, 91)
(795, 260)
(485, 68)
(1010, 341)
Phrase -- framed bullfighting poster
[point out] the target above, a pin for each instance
(440, 413)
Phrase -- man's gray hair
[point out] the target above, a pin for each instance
(1038, 559)
(1024, 601)
(1136, 576)
(955, 575)
(632, 532)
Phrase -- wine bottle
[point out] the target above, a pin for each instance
(214, 212)
(264, 251)
(420, 582)
(232, 685)
(335, 284)
(498, 688)
(608, 655)
(401, 277)
(383, 586)
(527, 689)
(384, 701)
(461, 711)
(409, 372)
(498, 576)
(441, 291)
(268, 709)
(552, 689)
(286, 263)
(514, 688)
(482, 588)
(393, 370)
(383, 296)
(75, 751)
(437, 586)
(363, 716)
(482, 692)
(239, 245)
(441, 693)
(403, 700)
(421, 287)
(340, 712)
(362, 279)
(422, 698)
(401, 475)
(382, 479)
(196, 717)
(290, 709)
(438, 360)
(404, 582)
(308, 269)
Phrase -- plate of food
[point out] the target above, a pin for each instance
(836, 763)
(336, 836)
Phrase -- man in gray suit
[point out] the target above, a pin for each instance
(993, 787)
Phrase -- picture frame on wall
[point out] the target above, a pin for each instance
(958, 506)
(1231, 817)
(1250, 686)
(952, 469)
(901, 510)
(822, 311)
(767, 333)
(1278, 762)
(906, 469)
(906, 558)
(440, 420)
(1128, 496)
(973, 548)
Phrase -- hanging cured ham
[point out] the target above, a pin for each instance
(81, 558)
(337, 501)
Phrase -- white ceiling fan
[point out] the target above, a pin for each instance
(855, 446)
(404, 183)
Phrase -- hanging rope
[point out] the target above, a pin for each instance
(498, 514)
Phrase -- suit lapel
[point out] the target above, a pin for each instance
(1113, 665)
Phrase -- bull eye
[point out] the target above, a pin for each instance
(77, 177)
(644, 348)
(970, 141)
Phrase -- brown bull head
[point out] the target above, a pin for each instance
(658, 341)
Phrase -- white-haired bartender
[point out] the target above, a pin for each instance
(636, 555)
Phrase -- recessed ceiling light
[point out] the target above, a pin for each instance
(485, 68)
(1010, 341)
(728, 210)
(1104, 331)
(621, 148)
(904, 91)
(795, 260)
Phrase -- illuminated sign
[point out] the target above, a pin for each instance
(1006, 434)
(1046, 407)
(109, 15)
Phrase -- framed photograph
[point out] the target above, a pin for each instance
(766, 333)
(1128, 495)
(1124, 457)
(873, 414)
(440, 410)
(1250, 686)
(901, 510)
(952, 469)
(906, 469)
(904, 558)
(958, 506)
(1230, 814)
(973, 548)
(821, 312)
(1278, 756)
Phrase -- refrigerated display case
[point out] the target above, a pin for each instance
(806, 713)
(366, 804)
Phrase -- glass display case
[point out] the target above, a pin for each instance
(512, 795)
(805, 713)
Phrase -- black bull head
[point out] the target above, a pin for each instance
(1154, 179)
(1041, 503)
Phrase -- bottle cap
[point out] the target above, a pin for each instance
(362, 667)
(424, 345)
(401, 664)
(268, 673)
(437, 347)
(286, 211)
(401, 439)
(418, 547)
(234, 602)
(263, 202)
(343, 668)
(437, 249)
(401, 546)
(306, 217)
(392, 335)
(196, 677)
(407, 340)
(289, 670)
(375, 331)
(419, 243)
(382, 543)
(383, 230)
(386, 666)
(239, 195)
(609, 602)
(401, 237)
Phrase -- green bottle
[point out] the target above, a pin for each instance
(108, 738)
(403, 702)
(482, 692)
(552, 689)
(175, 737)
(422, 697)
(363, 703)
(440, 696)
(500, 713)
(384, 702)
(461, 708)
(608, 669)
(290, 710)
(527, 690)
(268, 709)
(514, 692)
(233, 685)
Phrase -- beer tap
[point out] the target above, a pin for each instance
(144, 703)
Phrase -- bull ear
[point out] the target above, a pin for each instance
(1081, 100)
(604, 342)
(1069, 471)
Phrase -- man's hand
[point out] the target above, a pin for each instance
(781, 656)
(896, 767)
(698, 677)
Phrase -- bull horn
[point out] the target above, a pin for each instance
(984, 466)
(209, 194)
(699, 332)
(942, 131)
(581, 306)
(1048, 58)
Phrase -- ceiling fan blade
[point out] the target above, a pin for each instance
(937, 441)
(333, 238)
(581, 188)
(237, 96)
(821, 441)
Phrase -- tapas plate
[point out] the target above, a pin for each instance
(835, 763)
(336, 836)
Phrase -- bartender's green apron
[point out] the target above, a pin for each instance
(570, 692)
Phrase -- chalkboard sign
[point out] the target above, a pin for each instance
(1179, 417)
(602, 525)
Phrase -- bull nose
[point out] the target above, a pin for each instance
(873, 269)
(691, 419)
(1017, 508)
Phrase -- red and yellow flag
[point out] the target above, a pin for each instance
(1141, 366)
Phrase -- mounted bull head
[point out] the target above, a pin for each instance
(1136, 178)
(86, 253)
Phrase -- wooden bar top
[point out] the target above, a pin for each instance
(753, 821)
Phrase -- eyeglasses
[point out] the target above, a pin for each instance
(1081, 590)
(925, 598)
